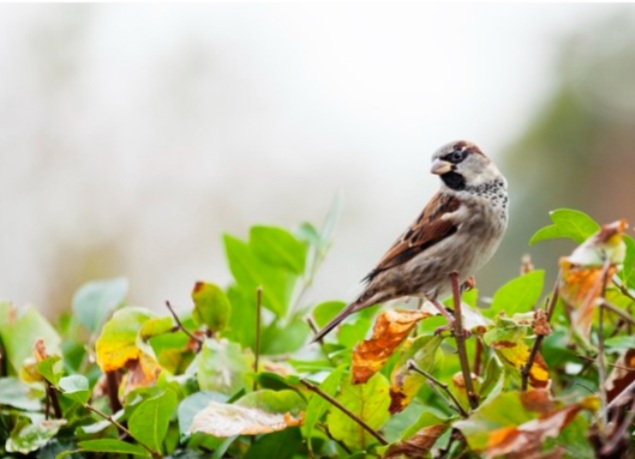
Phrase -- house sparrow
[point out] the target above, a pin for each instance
(458, 231)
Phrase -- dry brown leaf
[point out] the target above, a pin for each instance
(541, 323)
(142, 372)
(390, 330)
(418, 445)
(225, 420)
(622, 375)
(581, 276)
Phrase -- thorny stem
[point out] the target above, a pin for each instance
(444, 387)
(460, 341)
(344, 410)
(180, 326)
(258, 313)
(526, 371)
(121, 428)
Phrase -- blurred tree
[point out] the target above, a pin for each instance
(579, 151)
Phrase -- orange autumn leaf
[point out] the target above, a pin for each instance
(526, 440)
(582, 273)
(391, 328)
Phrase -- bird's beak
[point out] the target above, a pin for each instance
(440, 167)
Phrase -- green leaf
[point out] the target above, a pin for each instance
(149, 422)
(15, 393)
(545, 233)
(317, 406)
(620, 343)
(95, 300)
(270, 401)
(223, 367)
(250, 273)
(51, 368)
(190, 406)
(76, 388)
(18, 334)
(629, 259)
(277, 247)
(211, 306)
(285, 444)
(325, 311)
(112, 446)
(369, 402)
(568, 223)
(155, 327)
(518, 295)
(26, 437)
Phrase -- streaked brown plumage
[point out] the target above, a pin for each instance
(458, 231)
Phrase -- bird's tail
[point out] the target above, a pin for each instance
(347, 311)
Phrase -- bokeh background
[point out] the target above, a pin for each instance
(133, 136)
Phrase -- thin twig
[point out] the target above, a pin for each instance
(120, 427)
(624, 290)
(592, 360)
(616, 310)
(601, 361)
(257, 350)
(460, 342)
(444, 387)
(630, 389)
(526, 371)
(344, 410)
(179, 324)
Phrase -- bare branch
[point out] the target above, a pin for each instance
(180, 326)
(460, 341)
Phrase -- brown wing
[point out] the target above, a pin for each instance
(429, 229)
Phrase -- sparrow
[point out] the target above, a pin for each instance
(458, 231)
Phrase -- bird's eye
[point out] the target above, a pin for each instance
(457, 156)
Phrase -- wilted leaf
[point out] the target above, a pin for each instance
(26, 438)
(518, 295)
(148, 423)
(117, 343)
(190, 406)
(95, 300)
(369, 402)
(582, 273)
(507, 338)
(405, 384)
(224, 420)
(622, 375)
(391, 328)
(418, 445)
(211, 306)
(142, 372)
(223, 367)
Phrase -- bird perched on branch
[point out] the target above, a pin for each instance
(458, 231)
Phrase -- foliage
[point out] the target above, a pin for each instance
(233, 375)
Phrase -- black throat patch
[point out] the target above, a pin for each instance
(454, 181)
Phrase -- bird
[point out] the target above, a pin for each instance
(458, 231)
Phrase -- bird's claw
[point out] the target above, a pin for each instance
(450, 326)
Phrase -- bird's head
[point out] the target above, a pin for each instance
(461, 164)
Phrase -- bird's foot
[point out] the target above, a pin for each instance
(450, 326)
